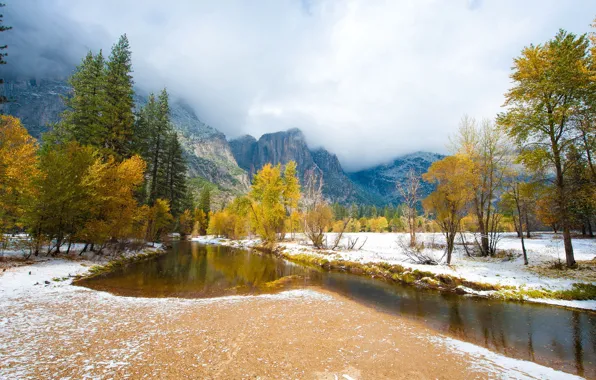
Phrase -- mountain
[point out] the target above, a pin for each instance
(38, 103)
(228, 166)
(281, 147)
(381, 182)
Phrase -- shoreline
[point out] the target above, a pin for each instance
(407, 275)
(92, 333)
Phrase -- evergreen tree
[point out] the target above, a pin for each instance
(118, 116)
(174, 175)
(82, 120)
(2, 55)
(205, 200)
(154, 129)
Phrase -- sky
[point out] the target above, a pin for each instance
(368, 80)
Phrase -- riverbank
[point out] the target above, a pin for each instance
(504, 277)
(51, 329)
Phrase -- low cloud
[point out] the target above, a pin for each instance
(366, 80)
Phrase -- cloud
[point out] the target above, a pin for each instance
(368, 80)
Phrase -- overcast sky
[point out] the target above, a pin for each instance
(368, 80)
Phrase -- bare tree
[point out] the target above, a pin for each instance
(317, 214)
(352, 243)
(489, 149)
(410, 192)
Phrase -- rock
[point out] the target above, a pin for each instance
(461, 290)
(282, 147)
(47, 282)
(380, 182)
(38, 103)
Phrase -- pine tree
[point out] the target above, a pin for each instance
(3, 47)
(174, 176)
(205, 200)
(82, 120)
(154, 124)
(3, 28)
(118, 116)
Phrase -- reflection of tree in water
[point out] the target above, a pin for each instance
(456, 322)
(530, 337)
(577, 343)
(544, 334)
(491, 320)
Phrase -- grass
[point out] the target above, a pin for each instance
(443, 282)
(113, 265)
(578, 291)
(389, 272)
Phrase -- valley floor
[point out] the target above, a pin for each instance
(52, 329)
(507, 270)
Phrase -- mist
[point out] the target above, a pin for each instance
(366, 80)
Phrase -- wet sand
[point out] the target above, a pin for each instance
(59, 330)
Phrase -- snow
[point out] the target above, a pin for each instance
(24, 292)
(28, 292)
(384, 248)
(499, 366)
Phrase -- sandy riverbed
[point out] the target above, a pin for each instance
(58, 330)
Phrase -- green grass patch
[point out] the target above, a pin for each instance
(116, 264)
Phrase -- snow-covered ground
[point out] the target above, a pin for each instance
(23, 289)
(543, 250)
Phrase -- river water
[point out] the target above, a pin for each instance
(560, 338)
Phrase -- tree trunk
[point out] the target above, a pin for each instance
(483, 234)
(450, 244)
(521, 230)
(590, 231)
(562, 203)
(569, 258)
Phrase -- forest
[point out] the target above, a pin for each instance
(110, 175)
(530, 168)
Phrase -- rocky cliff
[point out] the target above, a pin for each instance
(38, 103)
(230, 165)
(281, 147)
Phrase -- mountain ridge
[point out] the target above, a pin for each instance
(376, 185)
(230, 164)
(38, 103)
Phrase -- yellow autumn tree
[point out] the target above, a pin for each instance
(291, 195)
(448, 203)
(159, 220)
(18, 171)
(113, 206)
(200, 222)
(62, 205)
(185, 223)
(268, 196)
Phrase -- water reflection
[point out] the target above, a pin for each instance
(560, 338)
(194, 271)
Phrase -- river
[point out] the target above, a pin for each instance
(559, 338)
